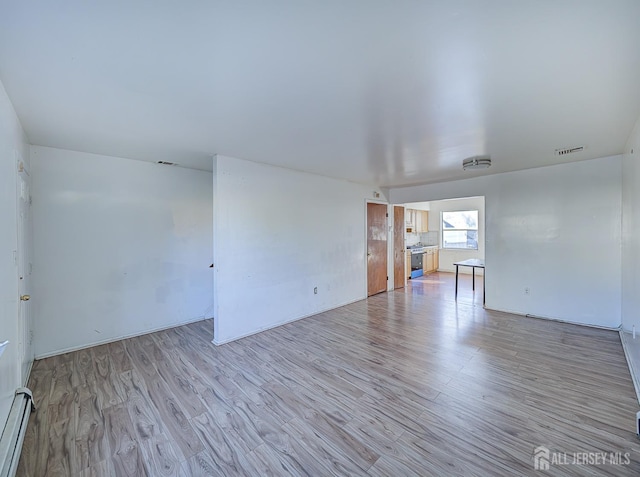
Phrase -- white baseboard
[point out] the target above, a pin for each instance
(631, 350)
(551, 318)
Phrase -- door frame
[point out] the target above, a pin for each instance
(24, 262)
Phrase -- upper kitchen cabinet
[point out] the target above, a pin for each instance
(409, 217)
(417, 220)
(422, 221)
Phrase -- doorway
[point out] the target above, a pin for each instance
(445, 233)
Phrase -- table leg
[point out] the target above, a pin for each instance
(456, 282)
(473, 278)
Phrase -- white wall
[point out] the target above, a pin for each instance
(13, 144)
(121, 247)
(631, 232)
(448, 257)
(555, 230)
(420, 206)
(278, 234)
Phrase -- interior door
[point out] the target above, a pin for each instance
(25, 327)
(399, 254)
(376, 248)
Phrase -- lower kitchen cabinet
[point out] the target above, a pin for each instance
(430, 260)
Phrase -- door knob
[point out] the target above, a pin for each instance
(25, 297)
(368, 254)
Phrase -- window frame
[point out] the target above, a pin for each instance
(443, 230)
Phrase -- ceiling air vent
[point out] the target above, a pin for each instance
(167, 163)
(569, 150)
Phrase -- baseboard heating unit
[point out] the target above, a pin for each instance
(14, 431)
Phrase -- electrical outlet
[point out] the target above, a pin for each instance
(527, 291)
(315, 290)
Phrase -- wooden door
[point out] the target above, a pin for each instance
(398, 247)
(376, 248)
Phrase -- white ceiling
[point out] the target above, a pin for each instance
(386, 92)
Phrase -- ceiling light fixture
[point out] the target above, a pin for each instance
(476, 162)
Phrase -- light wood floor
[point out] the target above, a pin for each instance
(405, 383)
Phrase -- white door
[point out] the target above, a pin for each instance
(25, 327)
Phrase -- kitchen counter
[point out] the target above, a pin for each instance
(421, 249)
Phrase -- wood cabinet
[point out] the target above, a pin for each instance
(427, 262)
(409, 217)
(422, 221)
(410, 220)
(417, 220)
(430, 260)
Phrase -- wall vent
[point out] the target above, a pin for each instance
(569, 150)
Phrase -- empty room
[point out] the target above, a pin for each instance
(385, 238)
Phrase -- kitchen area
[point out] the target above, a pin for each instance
(440, 233)
(422, 254)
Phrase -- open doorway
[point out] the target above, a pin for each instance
(440, 234)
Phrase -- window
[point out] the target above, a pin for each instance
(460, 229)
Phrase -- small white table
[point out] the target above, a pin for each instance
(473, 263)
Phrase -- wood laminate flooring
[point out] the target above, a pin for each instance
(407, 383)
